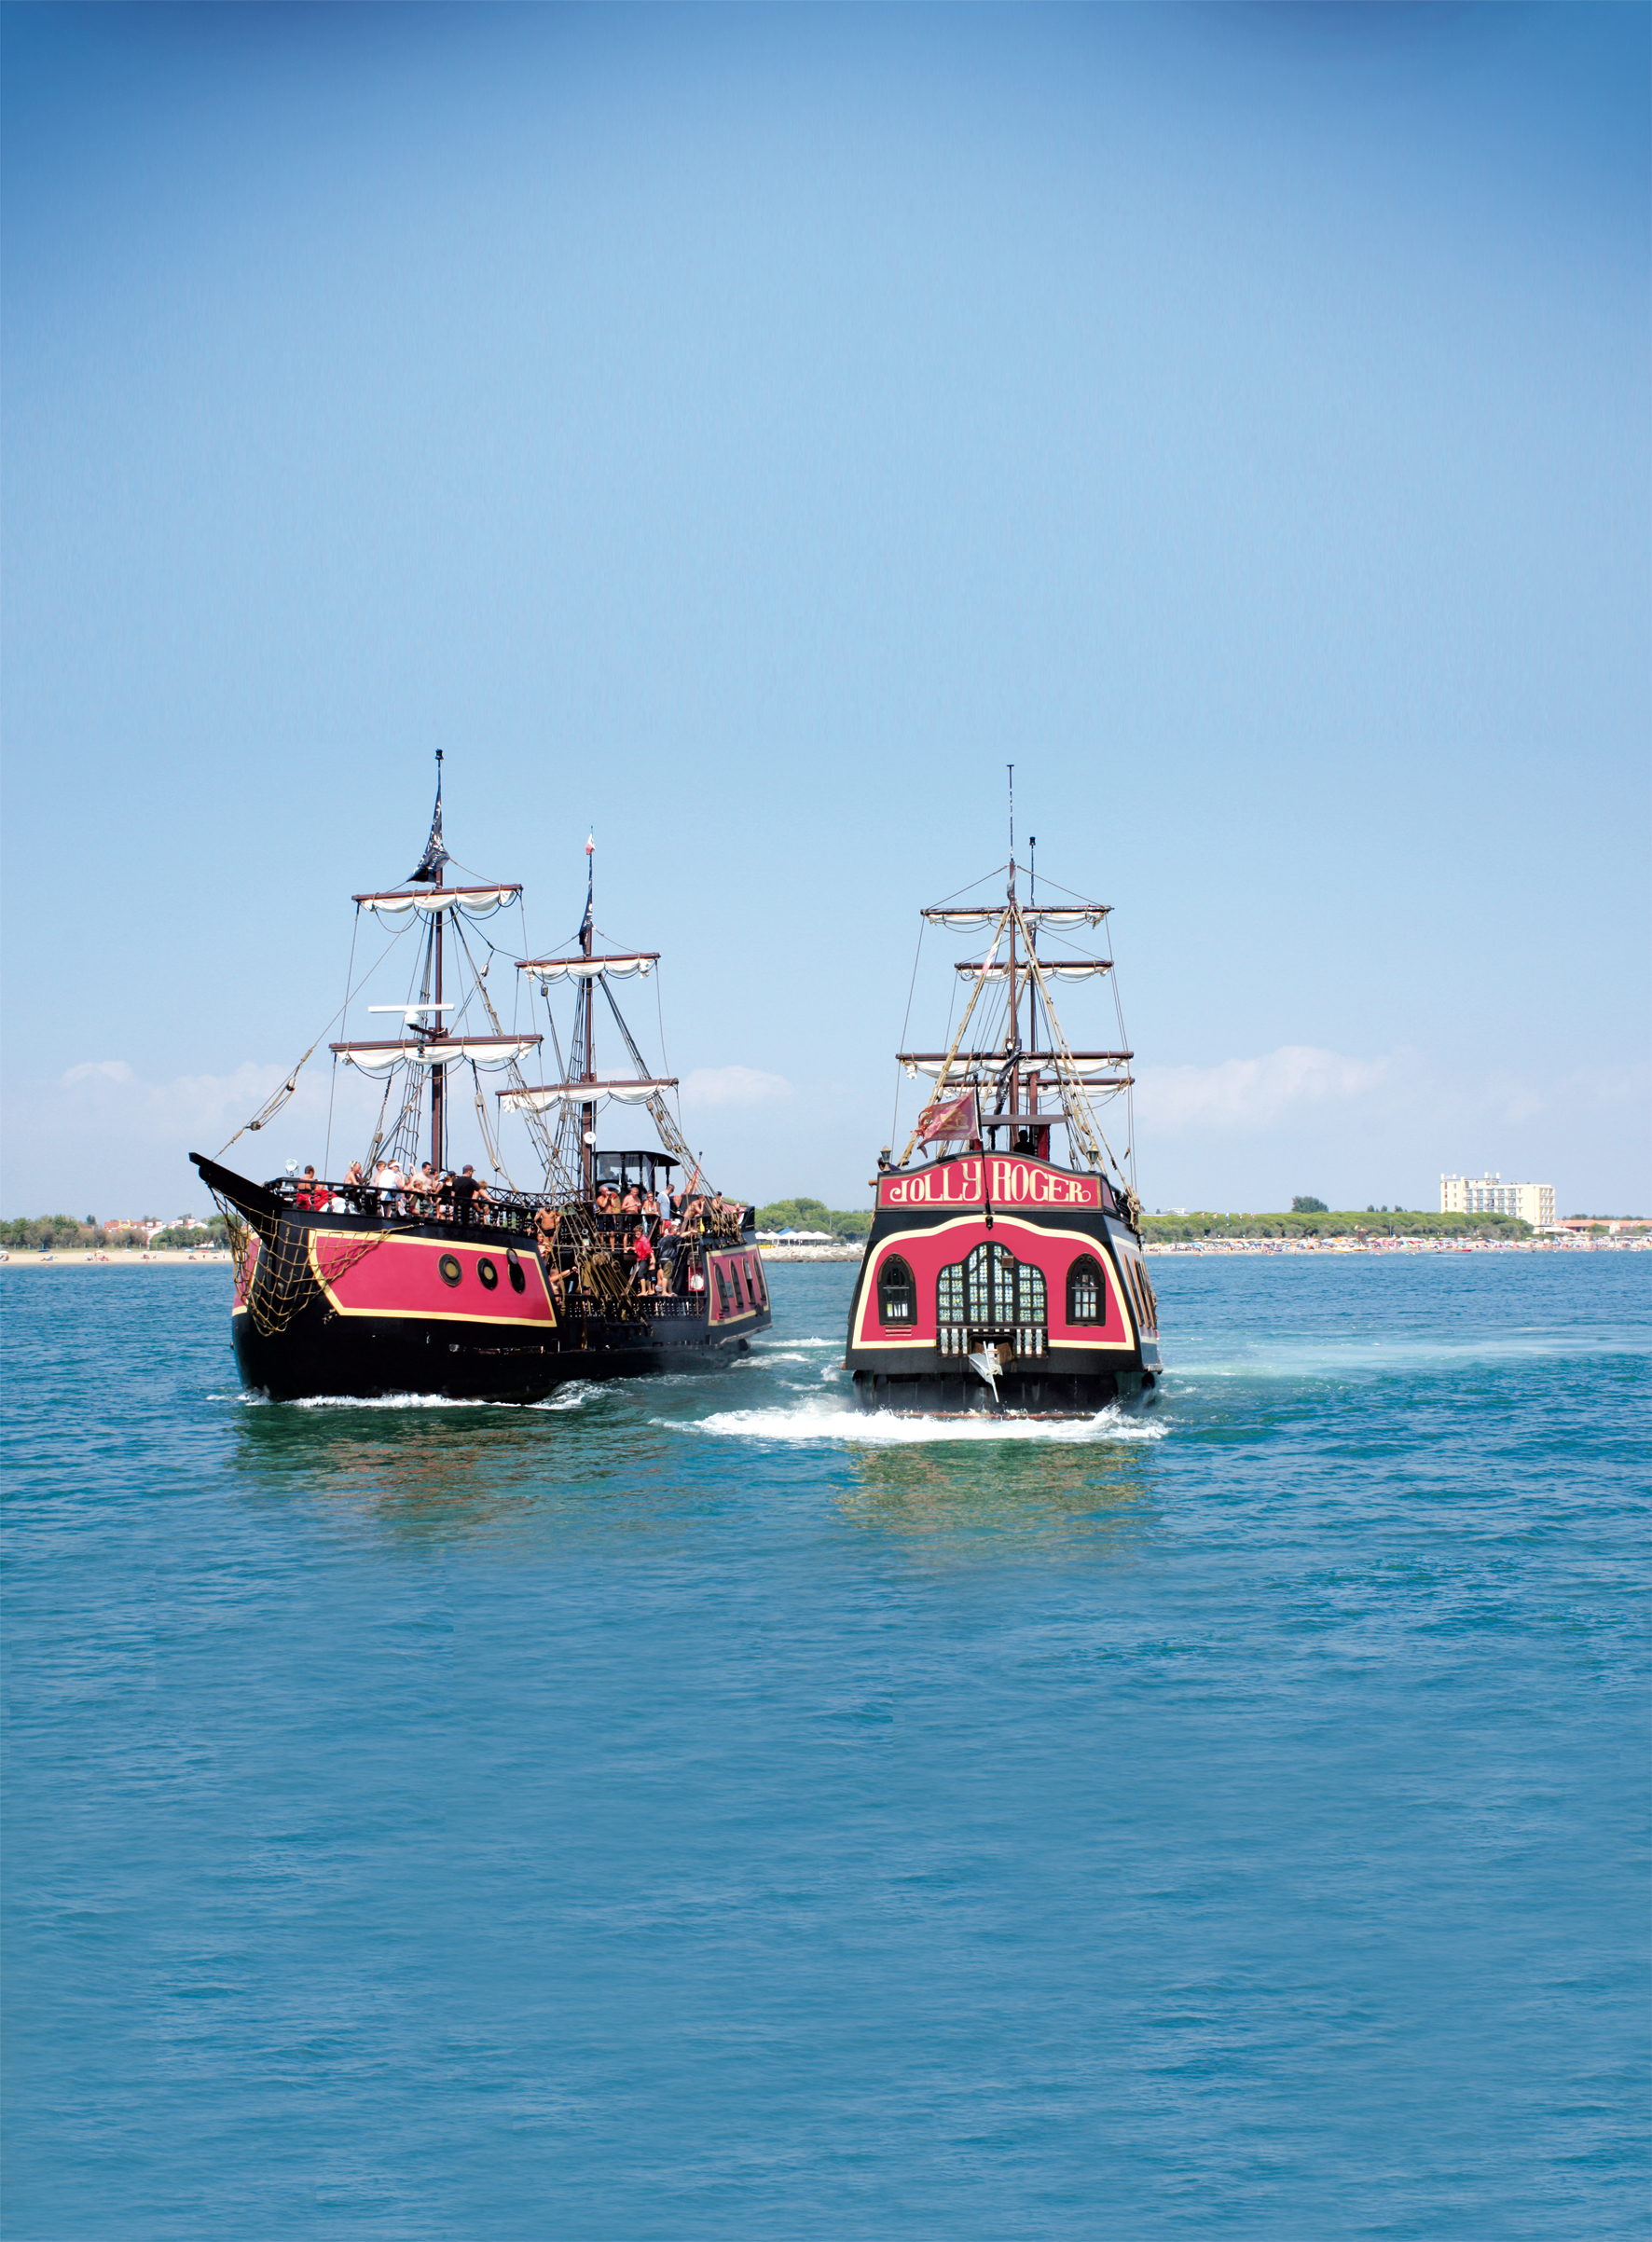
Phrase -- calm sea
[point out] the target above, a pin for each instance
(684, 1811)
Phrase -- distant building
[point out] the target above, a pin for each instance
(1532, 1202)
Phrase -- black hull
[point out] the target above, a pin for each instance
(344, 1304)
(1001, 1286)
(1049, 1393)
(372, 1360)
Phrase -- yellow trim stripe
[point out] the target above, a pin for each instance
(434, 1316)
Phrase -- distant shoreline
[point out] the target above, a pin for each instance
(1403, 1247)
(171, 1257)
(1224, 1249)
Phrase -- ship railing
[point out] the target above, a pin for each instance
(967, 1339)
(510, 1212)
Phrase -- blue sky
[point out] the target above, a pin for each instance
(746, 431)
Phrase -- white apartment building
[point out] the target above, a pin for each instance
(1532, 1202)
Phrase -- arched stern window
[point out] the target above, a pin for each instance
(1086, 1291)
(897, 1292)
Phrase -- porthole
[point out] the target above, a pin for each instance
(451, 1268)
(487, 1272)
(518, 1282)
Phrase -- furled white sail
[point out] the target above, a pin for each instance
(430, 902)
(478, 1051)
(588, 969)
(1087, 1070)
(1070, 968)
(1047, 914)
(540, 1094)
(1043, 1063)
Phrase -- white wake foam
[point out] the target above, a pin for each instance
(878, 1429)
(568, 1397)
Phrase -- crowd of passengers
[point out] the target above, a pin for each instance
(639, 1232)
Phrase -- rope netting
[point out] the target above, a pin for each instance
(279, 1280)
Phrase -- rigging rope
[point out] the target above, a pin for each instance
(911, 984)
(1081, 1121)
(671, 1134)
(268, 1111)
(278, 1280)
(344, 1014)
(952, 1053)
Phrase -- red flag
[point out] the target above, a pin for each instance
(949, 1117)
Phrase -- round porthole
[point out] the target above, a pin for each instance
(451, 1268)
(518, 1282)
(487, 1272)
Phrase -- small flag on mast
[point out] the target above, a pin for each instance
(947, 1118)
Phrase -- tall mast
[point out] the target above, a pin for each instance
(437, 1074)
(588, 1113)
(429, 874)
(1032, 994)
(1014, 997)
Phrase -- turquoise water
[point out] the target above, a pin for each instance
(682, 1810)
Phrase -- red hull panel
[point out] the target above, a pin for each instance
(403, 1276)
(930, 1249)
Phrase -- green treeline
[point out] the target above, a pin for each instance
(813, 1214)
(62, 1233)
(1171, 1228)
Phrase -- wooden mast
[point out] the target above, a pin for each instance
(1034, 1085)
(437, 1084)
(588, 1113)
(1014, 997)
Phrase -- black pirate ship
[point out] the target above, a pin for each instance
(998, 1278)
(405, 1278)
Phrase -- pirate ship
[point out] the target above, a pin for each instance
(402, 1279)
(996, 1277)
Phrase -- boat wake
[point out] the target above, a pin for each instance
(861, 1428)
(565, 1398)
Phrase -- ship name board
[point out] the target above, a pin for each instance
(1009, 1182)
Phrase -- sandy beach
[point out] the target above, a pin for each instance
(170, 1256)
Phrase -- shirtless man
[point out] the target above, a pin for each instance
(547, 1223)
(607, 1210)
